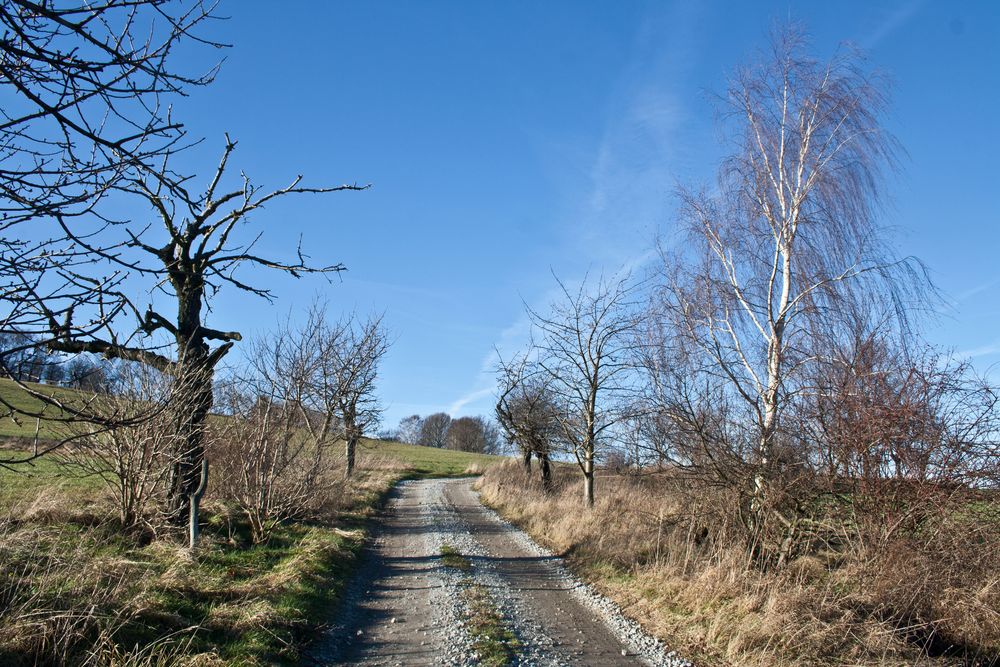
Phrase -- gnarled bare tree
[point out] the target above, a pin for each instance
(87, 89)
(192, 250)
(527, 415)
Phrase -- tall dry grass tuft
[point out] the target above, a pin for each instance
(675, 561)
(64, 607)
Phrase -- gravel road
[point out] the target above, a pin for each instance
(405, 607)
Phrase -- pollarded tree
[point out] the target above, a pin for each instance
(527, 415)
(584, 356)
(192, 250)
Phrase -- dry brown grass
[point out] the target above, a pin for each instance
(75, 589)
(474, 468)
(661, 557)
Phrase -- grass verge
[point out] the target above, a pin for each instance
(903, 605)
(450, 557)
(77, 590)
(492, 639)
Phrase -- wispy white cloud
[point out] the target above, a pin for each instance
(456, 408)
(610, 226)
(982, 351)
(895, 20)
(978, 289)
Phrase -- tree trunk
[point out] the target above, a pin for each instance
(352, 446)
(588, 478)
(543, 459)
(192, 403)
(192, 397)
(526, 461)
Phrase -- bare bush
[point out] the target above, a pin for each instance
(133, 461)
(275, 447)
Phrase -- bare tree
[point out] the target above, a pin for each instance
(527, 415)
(409, 429)
(87, 89)
(472, 434)
(434, 430)
(584, 356)
(191, 252)
(786, 241)
(88, 83)
(354, 353)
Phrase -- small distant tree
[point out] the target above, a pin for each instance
(434, 430)
(473, 434)
(353, 352)
(21, 358)
(409, 429)
(92, 375)
(584, 357)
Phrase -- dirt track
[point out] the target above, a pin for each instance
(405, 607)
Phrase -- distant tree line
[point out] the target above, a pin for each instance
(463, 434)
(25, 361)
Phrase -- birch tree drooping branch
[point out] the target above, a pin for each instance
(784, 244)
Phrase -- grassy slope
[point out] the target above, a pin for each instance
(429, 461)
(420, 461)
(230, 604)
(24, 427)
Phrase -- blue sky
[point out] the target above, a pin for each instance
(508, 140)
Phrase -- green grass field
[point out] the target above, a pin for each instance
(20, 426)
(430, 461)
